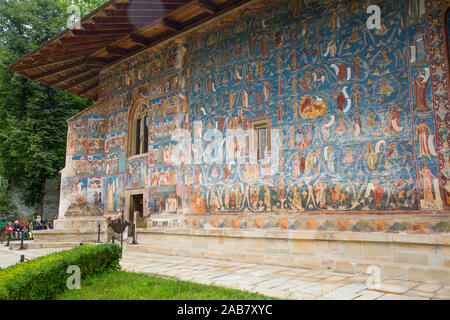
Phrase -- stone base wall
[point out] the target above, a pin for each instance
(74, 230)
(403, 256)
(65, 236)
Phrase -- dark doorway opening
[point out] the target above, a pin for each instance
(137, 210)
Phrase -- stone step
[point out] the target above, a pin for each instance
(30, 244)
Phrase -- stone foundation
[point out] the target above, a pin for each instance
(423, 257)
(74, 230)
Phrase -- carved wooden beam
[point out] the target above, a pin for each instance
(207, 5)
(88, 89)
(140, 40)
(71, 76)
(117, 51)
(79, 82)
(171, 24)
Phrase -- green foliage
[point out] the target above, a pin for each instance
(33, 116)
(121, 285)
(46, 276)
(7, 208)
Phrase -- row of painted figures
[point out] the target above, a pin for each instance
(320, 195)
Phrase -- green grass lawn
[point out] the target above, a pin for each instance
(121, 285)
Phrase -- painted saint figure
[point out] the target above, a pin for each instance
(371, 157)
(394, 122)
(420, 88)
(422, 131)
(426, 178)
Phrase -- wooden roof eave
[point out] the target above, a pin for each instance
(66, 57)
(14, 64)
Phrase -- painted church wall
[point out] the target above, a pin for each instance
(82, 179)
(351, 114)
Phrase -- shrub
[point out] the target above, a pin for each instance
(44, 277)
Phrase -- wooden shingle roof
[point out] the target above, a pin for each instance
(71, 61)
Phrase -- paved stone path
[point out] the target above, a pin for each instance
(273, 281)
(280, 282)
(10, 257)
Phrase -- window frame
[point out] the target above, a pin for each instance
(140, 112)
(257, 125)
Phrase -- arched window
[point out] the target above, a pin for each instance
(138, 129)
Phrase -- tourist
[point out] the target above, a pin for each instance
(25, 232)
(38, 224)
(17, 230)
(3, 224)
(9, 229)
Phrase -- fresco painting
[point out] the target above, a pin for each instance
(117, 121)
(116, 141)
(350, 115)
(74, 190)
(115, 194)
(95, 192)
(137, 174)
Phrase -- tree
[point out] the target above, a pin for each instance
(33, 116)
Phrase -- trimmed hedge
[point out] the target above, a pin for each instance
(44, 277)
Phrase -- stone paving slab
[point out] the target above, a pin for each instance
(347, 292)
(288, 283)
(269, 280)
(390, 288)
(390, 296)
(427, 287)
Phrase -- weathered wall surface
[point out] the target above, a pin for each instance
(51, 199)
(22, 209)
(358, 117)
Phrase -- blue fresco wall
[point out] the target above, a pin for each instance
(354, 117)
(349, 109)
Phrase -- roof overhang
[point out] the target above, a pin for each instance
(72, 60)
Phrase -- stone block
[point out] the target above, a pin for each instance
(254, 244)
(282, 259)
(302, 247)
(326, 247)
(307, 262)
(344, 266)
(350, 249)
(447, 263)
(429, 274)
(393, 271)
(377, 251)
(277, 246)
(411, 258)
